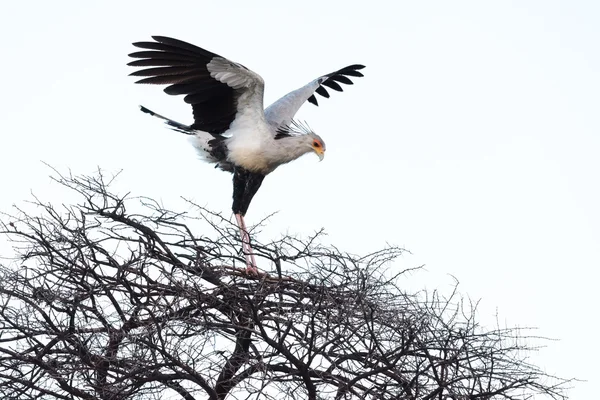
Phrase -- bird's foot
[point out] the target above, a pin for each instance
(251, 270)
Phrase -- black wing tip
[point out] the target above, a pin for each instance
(136, 63)
(143, 45)
(149, 80)
(322, 91)
(334, 79)
(352, 70)
(170, 41)
(139, 54)
(146, 110)
(158, 41)
(332, 84)
(157, 38)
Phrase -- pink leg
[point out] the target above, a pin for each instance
(249, 250)
(246, 248)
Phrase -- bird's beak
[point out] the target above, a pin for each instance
(320, 153)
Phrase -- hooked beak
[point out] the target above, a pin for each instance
(320, 153)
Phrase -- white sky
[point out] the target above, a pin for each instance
(473, 140)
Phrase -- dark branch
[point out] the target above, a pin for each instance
(102, 303)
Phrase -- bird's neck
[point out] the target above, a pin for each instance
(293, 147)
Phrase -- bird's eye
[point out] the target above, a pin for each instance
(316, 144)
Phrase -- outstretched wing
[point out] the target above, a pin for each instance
(281, 113)
(219, 90)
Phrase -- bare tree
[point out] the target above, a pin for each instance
(107, 303)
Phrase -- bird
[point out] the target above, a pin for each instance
(231, 127)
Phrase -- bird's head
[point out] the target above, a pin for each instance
(302, 139)
(317, 145)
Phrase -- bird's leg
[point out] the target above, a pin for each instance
(252, 268)
(240, 222)
(246, 248)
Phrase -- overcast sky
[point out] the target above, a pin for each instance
(473, 140)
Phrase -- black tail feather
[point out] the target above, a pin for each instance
(178, 126)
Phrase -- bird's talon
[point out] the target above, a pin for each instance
(251, 270)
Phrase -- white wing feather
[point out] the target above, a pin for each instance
(249, 125)
(238, 77)
(283, 110)
(233, 74)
